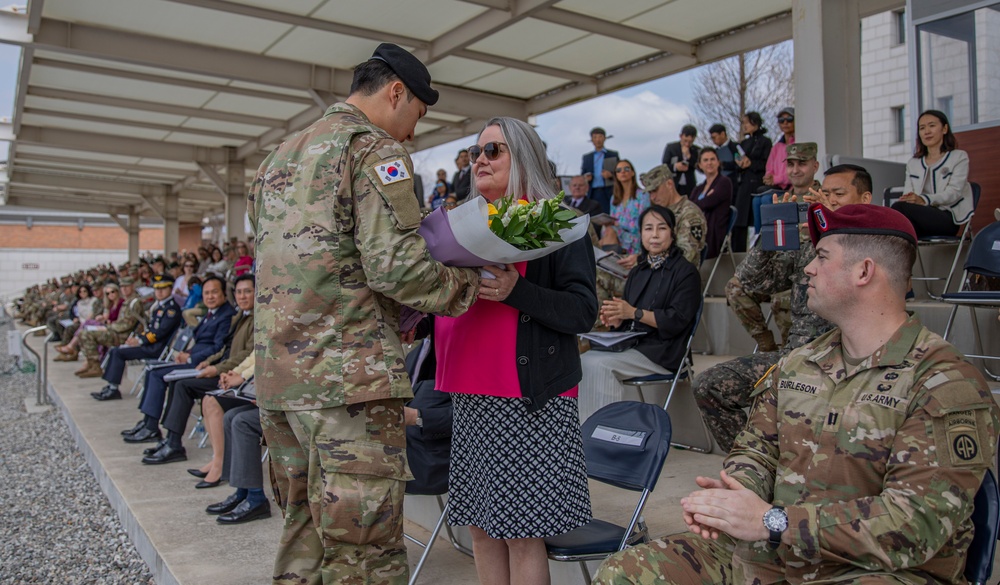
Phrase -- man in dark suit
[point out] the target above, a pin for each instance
(682, 157)
(577, 198)
(209, 338)
(461, 183)
(428, 426)
(165, 318)
(601, 180)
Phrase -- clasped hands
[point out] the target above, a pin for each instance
(615, 311)
(724, 505)
(913, 198)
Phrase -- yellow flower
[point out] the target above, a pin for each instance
(491, 209)
(522, 202)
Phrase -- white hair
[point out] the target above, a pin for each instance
(529, 167)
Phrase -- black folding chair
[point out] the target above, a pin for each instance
(180, 341)
(986, 519)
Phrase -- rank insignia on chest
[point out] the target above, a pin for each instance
(392, 172)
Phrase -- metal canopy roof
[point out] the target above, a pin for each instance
(120, 102)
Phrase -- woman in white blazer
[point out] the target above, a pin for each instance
(937, 195)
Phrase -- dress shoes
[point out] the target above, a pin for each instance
(159, 445)
(198, 473)
(207, 484)
(166, 454)
(225, 506)
(138, 427)
(107, 394)
(245, 513)
(144, 435)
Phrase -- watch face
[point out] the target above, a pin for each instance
(776, 519)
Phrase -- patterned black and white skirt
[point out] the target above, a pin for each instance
(514, 474)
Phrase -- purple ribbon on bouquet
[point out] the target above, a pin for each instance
(442, 244)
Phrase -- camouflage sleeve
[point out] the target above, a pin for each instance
(691, 237)
(753, 460)
(936, 464)
(766, 273)
(393, 256)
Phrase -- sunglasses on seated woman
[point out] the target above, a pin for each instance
(490, 149)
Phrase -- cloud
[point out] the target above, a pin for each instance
(640, 126)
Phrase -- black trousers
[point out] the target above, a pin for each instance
(181, 401)
(241, 465)
(927, 220)
(119, 355)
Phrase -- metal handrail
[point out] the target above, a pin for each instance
(41, 397)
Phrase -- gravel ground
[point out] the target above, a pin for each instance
(56, 526)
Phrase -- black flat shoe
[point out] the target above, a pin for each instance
(225, 505)
(244, 513)
(138, 427)
(143, 435)
(107, 394)
(207, 484)
(166, 454)
(159, 445)
(197, 473)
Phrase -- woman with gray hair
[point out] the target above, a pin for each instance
(517, 470)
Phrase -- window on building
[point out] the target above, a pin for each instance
(899, 124)
(899, 26)
(946, 104)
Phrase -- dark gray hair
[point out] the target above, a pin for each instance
(530, 174)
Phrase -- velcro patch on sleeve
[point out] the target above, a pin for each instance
(392, 171)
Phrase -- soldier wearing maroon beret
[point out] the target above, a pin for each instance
(865, 447)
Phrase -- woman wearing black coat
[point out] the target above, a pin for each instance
(753, 165)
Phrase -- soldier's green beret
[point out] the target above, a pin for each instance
(410, 70)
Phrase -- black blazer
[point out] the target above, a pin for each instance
(462, 185)
(675, 293)
(672, 150)
(428, 448)
(588, 205)
(557, 299)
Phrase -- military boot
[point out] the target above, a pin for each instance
(765, 341)
(93, 369)
(69, 356)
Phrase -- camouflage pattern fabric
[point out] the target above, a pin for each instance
(339, 474)
(690, 230)
(723, 392)
(687, 558)
(91, 340)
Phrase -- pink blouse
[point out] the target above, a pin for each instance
(477, 351)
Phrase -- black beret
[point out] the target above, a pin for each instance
(859, 218)
(410, 70)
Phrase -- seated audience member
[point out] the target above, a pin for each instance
(213, 409)
(237, 346)
(726, 150)
(713, 198)
(209, 338)
(428, 425)
(681, 157)
(689, 234)
(165, 318)
(193, 308)
(181, 289)
(218, 264)
(577, 198)
(102, 314)
(244, 261)
(62, 311)
(937, 195)
(129, 319)
(865, 447)
(774, 171)
(438, 194)
(242, 468)
(800, 167)
(723, 391)
(662, 294)
(627, 202)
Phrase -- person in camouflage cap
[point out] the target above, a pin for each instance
(723, 391)
(865, 447)
(338, 254)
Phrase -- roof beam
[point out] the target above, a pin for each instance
(96, 162)
(498, 4)
(135, 124)
(614, 30)
(107, 100)
(480, 27)
(34, 15)
(525, 66)
(80, 183)
(31, 200)
(122, 145)
(213, 177)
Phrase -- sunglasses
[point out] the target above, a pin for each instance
(623, 170)
(490, 149)
(783, 120)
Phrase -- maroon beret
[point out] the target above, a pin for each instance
(872, 220)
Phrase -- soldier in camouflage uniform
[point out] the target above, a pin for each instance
(723, 391)
(852, 469)
(130, 316)
(338, 254)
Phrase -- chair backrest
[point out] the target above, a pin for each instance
(626, 444)
(676, 368)
(732, 218)
(984, 252)
(986, 519)
(977, 191)
(182, 338)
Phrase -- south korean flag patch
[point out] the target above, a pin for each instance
(392, 172)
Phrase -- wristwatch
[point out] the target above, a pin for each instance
(420, 420)
(776, 522)
(638, 315)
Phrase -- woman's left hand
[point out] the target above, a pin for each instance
(497, 289)
(617, 309)
(912, 198)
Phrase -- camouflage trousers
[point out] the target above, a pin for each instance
(747, 304)
(723, 391)
(688, 559)
(608, 287)
(338, 476)
(90, 340)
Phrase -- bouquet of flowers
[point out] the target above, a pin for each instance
(478, 233)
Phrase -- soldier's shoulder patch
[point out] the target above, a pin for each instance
(392, 171)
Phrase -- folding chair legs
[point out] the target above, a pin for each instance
(430, 541)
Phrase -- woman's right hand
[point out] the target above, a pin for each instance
(743, 162)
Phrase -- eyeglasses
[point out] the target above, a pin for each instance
(623, 170)
(490, 149)
(785, 119)
(189, 266)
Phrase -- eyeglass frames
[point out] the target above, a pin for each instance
(490, 149)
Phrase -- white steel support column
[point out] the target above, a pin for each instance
(133, 234)
(171, 229)
(826, 36)
(236, 198)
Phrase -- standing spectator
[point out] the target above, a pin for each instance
(462, 181)
(726, 150)
(755, 149)
(601, 188)
(938, 196)
(775, 174)
(682, 156)
(713, 197)
(626, 205)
